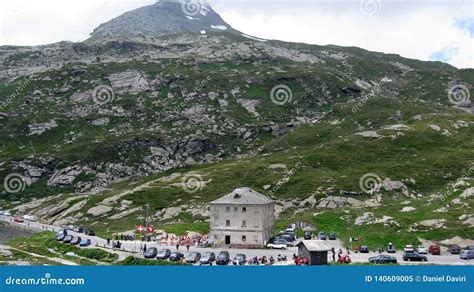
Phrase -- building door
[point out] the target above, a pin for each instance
(227, 239)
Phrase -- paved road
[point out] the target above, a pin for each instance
(133, 248)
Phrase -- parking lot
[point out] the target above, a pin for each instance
(133, 248)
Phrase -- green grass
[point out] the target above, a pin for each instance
(133, 261)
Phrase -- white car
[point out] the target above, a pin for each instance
(31, 218)
(409, 248)
(421, 250)
(278, 244)
(5, 213)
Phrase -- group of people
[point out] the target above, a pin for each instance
(194, 240)
(124, 237)
(261, 261)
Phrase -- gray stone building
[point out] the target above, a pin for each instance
(243, 218)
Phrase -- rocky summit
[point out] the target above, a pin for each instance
(167, 107)
(165, 17)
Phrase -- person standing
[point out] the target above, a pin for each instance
(144, 248)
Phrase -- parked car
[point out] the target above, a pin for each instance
(434, 249)
(176, 256)
(19, 219)
(421, 250)
(85, 242)
(76, 240)
(31, 218)
(322, 235)
(223, 258)
(414, 256)
(208, 258)
(239, 260)
(469, 247)
(288, 239)
(5, 213)
(278, 244)
(291, 235)
(163, 254)
(364, 249)
(61, 231)
(409, 248)
(383, 259)
(150, 253)
(89, 232)
(308, 235)
(79, 229)
(291, 229)
(391, 248)
(60, 236)
(193, 257)
(68, 238)
(454, 249)
(466, 254)
(332, 236)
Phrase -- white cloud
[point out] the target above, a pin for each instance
(413, 29)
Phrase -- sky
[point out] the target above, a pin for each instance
(441, 30)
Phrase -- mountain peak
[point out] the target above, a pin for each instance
(165, 17)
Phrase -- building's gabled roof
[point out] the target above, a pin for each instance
(315, 245)
(243, 196)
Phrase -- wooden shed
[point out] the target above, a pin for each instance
(315, 250)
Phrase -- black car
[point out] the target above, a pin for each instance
(413, 256)
(68, 239)
(60, 236)
(163, 254)
(291, 234)
(239, 260)
(223, 258)
(176, 256)
(208, 258)
(322, 236)
(383, 259)
(150, 253)
(332, 236)
(193, 257)
(89, 232)
(76, 240)
(364, 249)
(308, 235)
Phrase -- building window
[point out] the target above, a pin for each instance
(227, 222)
(216, 237)
(244, 209)
(244, 238)
(227, 209)
(236, 209)
(244, 223)
(255, 238)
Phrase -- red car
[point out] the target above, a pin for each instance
(434, 249)
(19, 219)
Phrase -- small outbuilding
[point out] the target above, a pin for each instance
(314, 250)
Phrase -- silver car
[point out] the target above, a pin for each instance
(467, 254)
